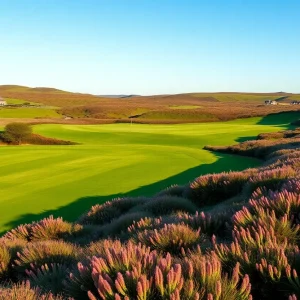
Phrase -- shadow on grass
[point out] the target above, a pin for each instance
(282, 119)
(70, 212)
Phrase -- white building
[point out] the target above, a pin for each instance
(2, 102)
(271, 102)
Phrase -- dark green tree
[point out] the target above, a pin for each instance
(16, 132)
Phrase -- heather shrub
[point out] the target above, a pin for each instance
(8, 253)
(105, 213)
(269, 179)
(120, 225)
(292, 186)
(208, 223)
(270, 135)
(46, 229)
(36, 254)
(281, 203)
(171, 238)
(4, 261)
(99, 248)
(22, 232)
(167, 205)
(51, 228)
(173, 190)
(84, 234)
(145, 223)
(80, 281)
(48, 278)
(198, 278)
(207, 272)
(214, 188)
(132, 260)
(258, 148)
(23, 291)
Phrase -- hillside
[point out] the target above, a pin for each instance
(181, 108)
(232, 235)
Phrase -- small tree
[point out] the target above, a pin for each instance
(16, 132)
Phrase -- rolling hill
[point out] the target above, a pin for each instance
(179, 108)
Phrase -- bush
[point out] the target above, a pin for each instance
(51, 229)
(121, 224)
(166, 205)
(4, 261)
(270, 179)
(214, 188)
(210, 224)
(130, 259)
(36, 139)
(171, 238)
(16, 132)
(49, 278)
(105, 213)
(22, 232)
(36, 254)
(22, 291)
(8, 253)
(173, 190)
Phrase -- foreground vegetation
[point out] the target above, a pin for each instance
(231, 235)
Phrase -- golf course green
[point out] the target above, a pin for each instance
(112, 161)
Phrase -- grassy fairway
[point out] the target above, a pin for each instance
(28, 112)
(112, 160)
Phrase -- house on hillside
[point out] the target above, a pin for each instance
(2, 102)
(295, 102)
(271, 102)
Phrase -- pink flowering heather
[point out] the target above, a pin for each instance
(171, 238)
(37, 254)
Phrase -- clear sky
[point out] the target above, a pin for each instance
(151, 46)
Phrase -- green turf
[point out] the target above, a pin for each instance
(185, 106)
(111, 161)
(28, 112)
(12, 101)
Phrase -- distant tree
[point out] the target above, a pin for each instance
(16, 132)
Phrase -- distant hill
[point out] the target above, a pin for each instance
(118, 96)
(177, 108)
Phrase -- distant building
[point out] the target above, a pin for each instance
(2, 102)
(271, 102)
(295, 102)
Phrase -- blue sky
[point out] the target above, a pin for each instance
(151, 46)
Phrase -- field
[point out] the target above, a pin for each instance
(28, 112)
(115, 160)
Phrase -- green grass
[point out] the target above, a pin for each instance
(28, 112)
(112, 160)
(185, 106)
(12, 101)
